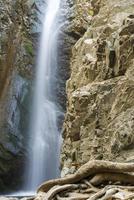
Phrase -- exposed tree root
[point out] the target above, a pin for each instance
(106, 192)
(88, 169)
(123, 178)
(82, 184)
(70, 198)
(73, 196)
(90, 190)
(56, 189)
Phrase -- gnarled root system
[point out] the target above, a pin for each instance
(102, 180)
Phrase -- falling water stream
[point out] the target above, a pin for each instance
(44, 135)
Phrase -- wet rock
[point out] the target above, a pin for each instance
(16, 71)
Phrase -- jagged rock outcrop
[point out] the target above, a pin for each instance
(99, 123)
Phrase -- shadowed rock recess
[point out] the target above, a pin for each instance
(99, 123)
(16, 60)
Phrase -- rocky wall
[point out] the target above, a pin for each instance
(16, 72)
(99, 122)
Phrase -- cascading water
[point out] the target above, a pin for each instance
(43, 161)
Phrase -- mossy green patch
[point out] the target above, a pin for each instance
(29, 48)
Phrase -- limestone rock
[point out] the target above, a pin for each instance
(100, 91)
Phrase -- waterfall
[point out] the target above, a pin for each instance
(43, 163)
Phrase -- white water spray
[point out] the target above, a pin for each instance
(45, 138)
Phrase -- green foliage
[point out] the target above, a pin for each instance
(29, 48)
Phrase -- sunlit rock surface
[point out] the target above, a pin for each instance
(99, 123)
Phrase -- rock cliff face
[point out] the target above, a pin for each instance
(99, 123)
(16, 61)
